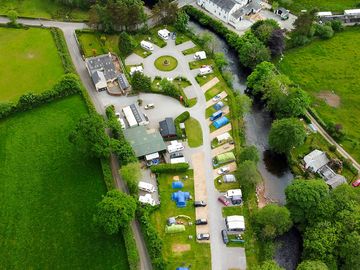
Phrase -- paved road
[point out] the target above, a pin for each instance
(69, 33)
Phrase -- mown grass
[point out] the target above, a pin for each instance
(29, 62)
(191, 50)
(199, 254)
(92, 44)
(322, 5)
(193, 132)
(48, 194)
(47, 9)
(331, 65)
(223, 187)
(202, 79)
(166, 63)
(181, 38)
(199, 63)
(216, 89)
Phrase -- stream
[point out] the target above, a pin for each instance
(273, 168)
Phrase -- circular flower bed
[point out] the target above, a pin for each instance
(166, 63)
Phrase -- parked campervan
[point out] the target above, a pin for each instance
(164, 34)
(205, 70)
(175, 146)
(147, 45)
(200, 55)
(146, 187)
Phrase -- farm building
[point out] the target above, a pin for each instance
(144, 141)
(134, 116)
(167, 128)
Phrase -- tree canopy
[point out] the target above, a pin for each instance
(249, 153)
(248, 174)
(312, 265)
(131, 174)
(269, 265)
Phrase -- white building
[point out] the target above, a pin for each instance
(315, 160)
(231, 11)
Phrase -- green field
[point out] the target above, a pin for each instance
(47, 9)
(92, 44)
(48, 195)
(199, 254)
(29, 62)
(193, 132)
(331, 66)
(323, 5)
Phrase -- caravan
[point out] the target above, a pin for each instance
(205, 70)
(146, 187)
(200, 55)
(147, 45)
(175, 146)
(164, 34)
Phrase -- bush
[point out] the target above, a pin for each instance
(108, 178)
(169, 168)
(324, 31)
(332, 148)
(180, 119)
(131, 249)
(131, 174)
(337, 25)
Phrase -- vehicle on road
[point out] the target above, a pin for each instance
(223, 200)
(203, 236)
(223, 170)
(225, 236)
(199, 204)
(149, 106)
(201, 221)
(356, 183)
(216, 98)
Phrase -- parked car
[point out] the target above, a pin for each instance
(199, 204)
(203, 236)
(176, 155)
(223, 170)
(225, 236)
(356, 183)
(117, 114)
(201, 221)
(216, 98)
(223, 200)
(149, 106)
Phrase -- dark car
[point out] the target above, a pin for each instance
(201, 221)
(223, 200)
(199, 204)
(176, 155)
(225, 236)
(203, 236)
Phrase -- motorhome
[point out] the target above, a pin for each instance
(175, 146)
(206, 70)
(200, 55)
(147, 45)
(164, 34)
(146, 187)
(233, 192)
(147, 199)
(177, 160)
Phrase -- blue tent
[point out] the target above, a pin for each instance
(221, 122)
(218, 105)
(182, 268)
(180, 198)
(177, 184)
(216, 115)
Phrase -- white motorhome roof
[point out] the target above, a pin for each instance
(146, 43)
(236, 225)
(164, 32)
(324, 13)
(201, 54)
(130, 116)
(147, 199)
(234, 218)
(233, 192)
(147, 186)
(152, 156)
(177, 160)
(351, 11)
(205, 69)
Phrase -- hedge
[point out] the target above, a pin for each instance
(153, 241)
(180, 119)
(63, 50)
(167, 168)
(131, 249)
(108, 178)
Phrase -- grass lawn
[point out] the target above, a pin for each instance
(193, 132)
(202, 79)
(181, 38)
(199, 254)
(141, 52)
(192, 102)
(48, 194)
(331, 66)
(47, 9)
(166, 63)
(322, 5)
(92, 44)
(199, 63)
(29, 61)
(216, 89)
(191, 50)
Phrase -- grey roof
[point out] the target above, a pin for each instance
(335, 181)
(246, 10)
(103, 63)
(123, 82)
(139, 116)
(226, 5)
(167, 127)
(95, 77)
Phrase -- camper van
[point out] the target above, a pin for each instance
(147, 199)
(177, 160)
(175, 146)
(147, 45)
(200, 55)
(164, 34)
(146, 187)
(233, 192)
(206, 70)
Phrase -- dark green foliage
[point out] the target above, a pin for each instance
(181, 22)
(13, 16)
(324, 31)
(170, 168)
(76, 3)
(257, 80)
(350, 251)
(276, 42)
(220, 60)
(165, 11)
(249, 153)
(180, 119)
(263, 29)
(131, 174)
(170, 89)
(108, 178)
(269, 265)
(241, 106)
(248, 175)
(131, 249)
(126, 44)
(140, 82)
(337, 25)
(115, 211)
(286, 134)
(312, 265)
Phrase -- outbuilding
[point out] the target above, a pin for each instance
(167, 128)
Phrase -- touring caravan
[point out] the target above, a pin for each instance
(164, 34)
(147, 199)
(200, 55)
(146, 187)
(147, 45)
(205, 70)
(175, 146)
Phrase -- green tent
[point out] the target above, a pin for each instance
(175, 228)
(224, 158)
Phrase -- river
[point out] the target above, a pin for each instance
(273, 169)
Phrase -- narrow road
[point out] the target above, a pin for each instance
(68, 29)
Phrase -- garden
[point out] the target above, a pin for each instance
(166, 63)
(322, 5)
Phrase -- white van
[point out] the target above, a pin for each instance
(205, 70)
(147, 45)
(200, 55)
(175, 146)
(146, 187)
(164, 34)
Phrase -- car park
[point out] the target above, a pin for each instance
(201, 221)
(225, 236)
(223, 170)
(356, 183)
(199, 204)
(203, 236)
(216, 98)
(223, 200)
(149, 106)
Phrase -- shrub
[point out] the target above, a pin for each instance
(337, 25)
(131, 249)
(180, 119)
(167, 168)
(324, 31)
(108, 179)
(332, 148)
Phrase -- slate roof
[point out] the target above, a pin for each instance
(97, 77)
(167, 127)
(102, 63)
(226, 5)
(123, 82)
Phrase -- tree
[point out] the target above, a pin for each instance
(182, 20)
(242, 105)
(115, 211)
(262, 29)
(253, 52)
(123, 150)
(296, 103)
(269, 265)
(206, 41)
(276, 42)
(89, 136)
(166, 11)
(220, 60)
(286, 134)
(131, 174)
(324, 31)
(169, 88)
(248, 174)
(257, 80)
(272, 221)
(303, 197)
(94, 18)
(140, 82)
(249, 153)
(350, 251)
(126, 44)
(312, 265)
(13, 16)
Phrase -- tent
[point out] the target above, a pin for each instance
(175, 228)
(229, 178)
(180, 198)
(224, 158)
(182, 268)
(171, 221)
(218, 105)
(220, 122)
(223, 137)
(177, 184)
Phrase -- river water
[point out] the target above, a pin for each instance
(274, 169)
